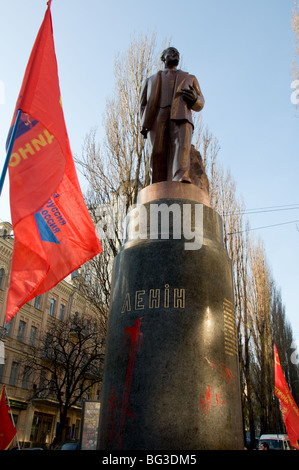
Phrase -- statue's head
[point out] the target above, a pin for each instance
(170, 56)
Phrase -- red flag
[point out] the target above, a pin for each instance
(54, 233)
(289, 409)
(7, 429)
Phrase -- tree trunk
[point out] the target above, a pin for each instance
(60, 437)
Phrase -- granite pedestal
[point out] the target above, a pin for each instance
(171, 378)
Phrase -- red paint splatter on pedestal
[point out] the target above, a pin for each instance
(134, 336)
(205, 400)
(113, 401)
(223, 370)
(219, 399)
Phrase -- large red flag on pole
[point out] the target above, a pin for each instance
(53, 231)
(7, 428)
(289, 409)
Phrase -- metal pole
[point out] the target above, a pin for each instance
(9, 150)
(276, 415)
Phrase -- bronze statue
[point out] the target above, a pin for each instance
(166, 101)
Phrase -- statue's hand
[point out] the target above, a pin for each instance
(189, 95)
(144, 132)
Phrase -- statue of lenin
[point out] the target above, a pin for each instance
(166, 101)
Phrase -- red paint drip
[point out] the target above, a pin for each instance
(223, 370)
(135, 337)
(219, 400)
(205, 400)
(112, 407)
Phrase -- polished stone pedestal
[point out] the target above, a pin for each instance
(171, 378)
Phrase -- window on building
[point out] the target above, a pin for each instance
(42, 425)
(21, 330)
(37, 302)
(26, 375)
(42, 384)
(52, 387)
(61, 312)
(77, 429)
(32, 337)
(48, 343)
(13, 373)
(2, 278)
(52, 307)
(8, 327)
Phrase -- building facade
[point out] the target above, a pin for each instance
(36, 418)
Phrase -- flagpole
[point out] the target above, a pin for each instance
(9, 150)
(276, 414)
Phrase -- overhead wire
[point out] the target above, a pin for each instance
(261, 210)
(264, 226)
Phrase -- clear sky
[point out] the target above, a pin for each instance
(241, 52)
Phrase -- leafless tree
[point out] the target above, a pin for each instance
(67, 362)
(295, 64)
(295, 27)
(256, 305)
(118, 167)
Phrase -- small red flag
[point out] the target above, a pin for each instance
(54, 233)
(7, 429)
(289, 409)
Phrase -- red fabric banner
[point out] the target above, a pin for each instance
(289, 409)
(54, 233)
(7, 429)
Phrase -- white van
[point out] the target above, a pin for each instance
(275, 441)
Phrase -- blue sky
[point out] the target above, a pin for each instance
(241, 53)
